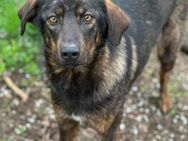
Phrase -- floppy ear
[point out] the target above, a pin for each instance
(118, 22)
(27, 13)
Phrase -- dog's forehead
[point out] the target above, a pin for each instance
(69, 3)
(72, 3)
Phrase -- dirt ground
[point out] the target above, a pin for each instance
(142, 120)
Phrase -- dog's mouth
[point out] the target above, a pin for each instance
(72, 65)
(76, 68)
(81, 64)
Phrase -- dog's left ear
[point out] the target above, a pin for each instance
(27, 13)
(118, 22)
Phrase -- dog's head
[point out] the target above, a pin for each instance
(74, 31)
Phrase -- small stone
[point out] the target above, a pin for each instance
(158, 112)
(122, 126)
(146, 118)
(13, 112)
(128, 110)
(177, 117)
(181, 128)
(139, 94)
(16, 102)
(32, 119)
(159, 127)
(124, 114)
(155, 80)
(134, 88)
(27, 76)
(180, 105)
(139, 118)
(38, 103)
(184, 120)
(21, 71)
(141, 103)
(134, 107)
(172, 135)
(135, 131)
(147, 111)
(11, 125)
(185, 108)
(22, 117)
(174, 120)
(141, 110)
(158, 85)
(166, 132)
(182, 137)
(143, 128)
(51, 113)
(28, 125)
(158, 137)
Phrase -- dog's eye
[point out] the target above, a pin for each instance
(88, 18)
(52, 20)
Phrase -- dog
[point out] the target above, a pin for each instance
(94, 51)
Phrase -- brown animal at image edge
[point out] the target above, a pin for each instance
(94, 52)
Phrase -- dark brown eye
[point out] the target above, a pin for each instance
(88, 18)
(52, 20)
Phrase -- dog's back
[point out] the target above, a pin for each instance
(148, 18)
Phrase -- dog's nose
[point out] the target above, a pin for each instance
(70, 52)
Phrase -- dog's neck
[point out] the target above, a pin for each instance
(111, 67)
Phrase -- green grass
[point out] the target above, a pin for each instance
(174, 91)
(17, 52)
(20, 130)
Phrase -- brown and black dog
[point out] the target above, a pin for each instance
(95, 49)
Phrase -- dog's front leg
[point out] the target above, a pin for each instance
(106, 125)
(113, 133)
(68, 130)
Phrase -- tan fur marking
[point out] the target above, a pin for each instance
(103, 123)
(69, 130)
(28, 5)
(165, 100)
(134, 61)
(113, 71)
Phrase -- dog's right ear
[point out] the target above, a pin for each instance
(118, 22)
(27, 13)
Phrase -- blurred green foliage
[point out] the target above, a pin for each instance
(17, 52)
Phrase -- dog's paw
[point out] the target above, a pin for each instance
(165, 105)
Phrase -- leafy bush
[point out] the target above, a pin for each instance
(16, 52)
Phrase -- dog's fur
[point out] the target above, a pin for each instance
(114, 47)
